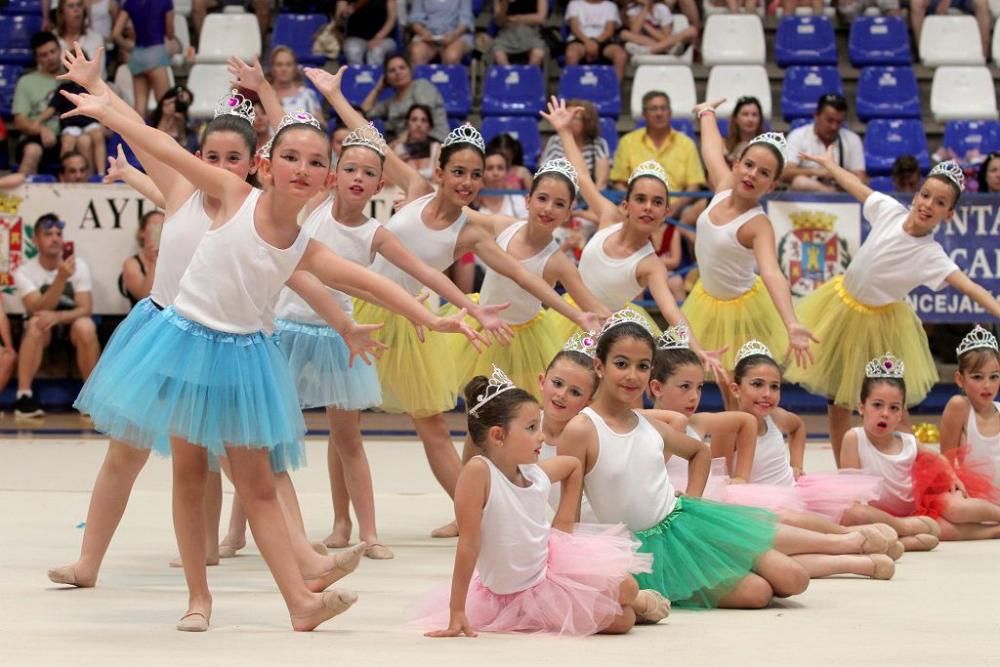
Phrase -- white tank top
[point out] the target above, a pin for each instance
(514, 531)
(555, 493)
(435, 247)
(727, 269)
(235, 275)
(677, 467)
(896, 471)
(498, 288)
(628, 483)
(351, 243)
(179, 237)
(612, 281)
(771, 461)
(982, 447)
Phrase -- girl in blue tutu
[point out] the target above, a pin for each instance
(204, 373)
(419, 378)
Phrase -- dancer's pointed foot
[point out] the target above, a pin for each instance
(447, 530)
(650, 606)
(193, 621)
(342, 564)
(378, 551)
(67, 575)
(329, 604)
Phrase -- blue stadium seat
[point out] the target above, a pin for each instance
(452, 81)
(477, 6)
(799, 122)
(522, 128)
(15, 38)
(296, 32)
(30, 7)
(682, 125)
(803, 86)
(8, 81)
(885, 140)
(805, 40)
(963, 136)
(879, 40)
(881, 184)
(609, 130)
(517, 90)
(359, 80)
(40, 178)
(887, 92)
(114, 141)
(596, 83)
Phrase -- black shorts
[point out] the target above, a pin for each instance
(50, 155)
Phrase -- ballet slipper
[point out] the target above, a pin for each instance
(885, 567)
(445, 531)
(896, 550)
(344, 563)
(320, 548)
(230, 550)
(335, 602)
(67, 575)
(655, 607)
(378, 551)
(875, 542)
(932, 526)
(193, 621)
(887, 530)
(334, 542)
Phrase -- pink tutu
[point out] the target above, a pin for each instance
(715, 487)
(578, 596)
(765, 496)
(831, 493)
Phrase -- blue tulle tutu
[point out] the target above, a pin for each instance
(212, 388)
(320, 363)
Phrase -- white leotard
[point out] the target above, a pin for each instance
(896, 471)
(612, 281)
(771, 460)
(179, 237)
(982, 447)
(498, 288)
(731, 269)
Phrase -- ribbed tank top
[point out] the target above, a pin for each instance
(179, 237)
(727, 269)
(982, 447)
(612, 281)
(896, 471)
(498, 288)
(771, 460)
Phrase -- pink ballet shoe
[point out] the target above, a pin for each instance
(896, 550)
(932, 526)
(344, 563)
(335, 602)
(193, 621)
(655, 607)
(446, 531)
(885, 567)
(66, 575)
(377, 551)
(875, 542)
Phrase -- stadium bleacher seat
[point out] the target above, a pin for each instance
(805, 40)
(675, 80)
(522, 128)
(685, 58)
(27, 7)
(296, 31)
(452, 81)
(803, 86)
(799, 122)
(963, 136)
(683, 125)
(596, 83)
(15, 38)
(963, 93)
(885, 140)
(950, 40)
(359, 80)
(995, 43)
(733, 39)
(182, 7)
(879, 40)
(513, 90)
(183, 35)
(206, 83)
(40, 178)
(881, 184)
(609, 130)
(224, 35)
(9, 75)
(114, 141)
(887, 92)
(735, 81)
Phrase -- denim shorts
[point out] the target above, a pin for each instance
(146, 58)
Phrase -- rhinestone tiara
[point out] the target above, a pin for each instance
(584, 342)
(776, 139)
(752, 348)
(465, 134)
(675, 338)
(497, 384)
(976, 339)
(650, 168)
(300, 117)
(235, 104)
(886, 366)
(950, 170)
(624, 316)
(563, 167)
(367, 136)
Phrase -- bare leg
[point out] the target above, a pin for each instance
(140, 88)
(99, 150)
(160, 81)
(785, 576)
(970, 510)
(83, 335)
(818, 565)
(624, 621)
(213, 514)
(752, 592)
(340, 536)
(793, 541)
(345, 438)
(443, 459)
(34, 340)
(840, 422)
(904, 527)
(190, 466)
(8, 362)
(952, 532)
(236, 534)
(108, 500)
(31, 157)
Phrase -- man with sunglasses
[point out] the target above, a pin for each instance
(55, 288)
(825, 131)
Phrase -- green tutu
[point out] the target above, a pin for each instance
(703, 549)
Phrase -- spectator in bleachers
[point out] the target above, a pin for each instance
(55, 288)
(441, 28)
(980, 9)
(73, 25)
(520, 30)
(738, 6)
(170, 116)
(815, 138)
(988, 177)
(746, 123)
(369, 30)
(340, 133)
(586, 133)
(261, 124)
(74, 168)
(593, 34)
(261, 9)
(905, 174)
(415, 145)
(138, 271)
(518, 176)
(850, 9)
(675, 152)
(649, 29)
(286, 78)
(80, 134)
(495, 178)
(408, 91)
(788, 7)
(8, 354)
(39, 143)
(148, 60)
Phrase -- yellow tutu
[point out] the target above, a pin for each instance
(417, 378)
(564, 328)
(718, 323)
(535, 343)
(852, 334)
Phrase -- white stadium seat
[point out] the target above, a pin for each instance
(963, 93)
(225, 35)
(207, 83)
(735, 81)
(123, 82)
(685, 58)
(950, 40)
(733, 39)
(996, 42)
(183, 35)
(675, 80)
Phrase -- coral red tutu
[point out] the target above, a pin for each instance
(977, 474)
(578, 596)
